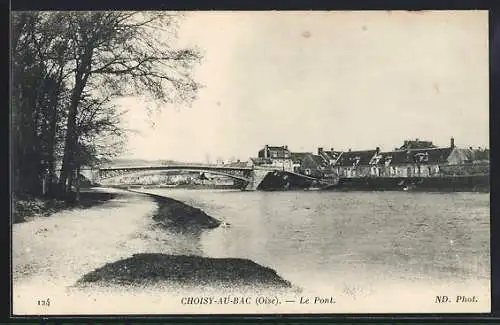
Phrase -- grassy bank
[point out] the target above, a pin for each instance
(187, 271)
(26, 208)
(178, 216)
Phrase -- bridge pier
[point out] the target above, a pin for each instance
(256, 179)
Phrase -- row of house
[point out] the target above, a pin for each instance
(415, 158)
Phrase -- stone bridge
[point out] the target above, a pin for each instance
(250, 177)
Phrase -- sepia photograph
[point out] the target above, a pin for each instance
(249, 162)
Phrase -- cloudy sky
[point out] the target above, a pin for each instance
(331, 79)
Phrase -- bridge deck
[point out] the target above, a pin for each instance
(165, 167)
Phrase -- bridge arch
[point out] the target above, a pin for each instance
(147, 172)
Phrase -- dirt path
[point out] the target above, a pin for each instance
(52, 253)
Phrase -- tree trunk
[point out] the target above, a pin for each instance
(52, 133)
(69, 143)
(81, 77)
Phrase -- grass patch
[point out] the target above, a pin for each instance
(188, 271)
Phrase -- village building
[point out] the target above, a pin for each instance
(313, 165)
(355, 163)
(423, 159)
(415, 158)
(413, 163)
(298, 159)
(274, 157)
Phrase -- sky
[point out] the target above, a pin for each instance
(323, 79)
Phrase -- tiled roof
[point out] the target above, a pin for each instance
(355, 158)
(483, 154)
(437, 155)
(277, 148)
(416, 144)
(259, 160)
(331, 155)
(299, 156)
(318, 160)
(280, 151)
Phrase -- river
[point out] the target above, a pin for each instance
(356, 244)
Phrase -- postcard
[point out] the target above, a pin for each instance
(266, 162)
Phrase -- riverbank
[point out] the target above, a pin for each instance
(131, 241)
(26, 208)
(472, 183)
(178, 216)
(189, 271)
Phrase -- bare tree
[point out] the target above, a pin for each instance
(67, 68)
(124, 53)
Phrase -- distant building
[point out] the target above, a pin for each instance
(312, 165)
(413, 163)
(416, 144)
(429, 161)
(275, 157)
(356, 163)
(297, 161)
(415, 158)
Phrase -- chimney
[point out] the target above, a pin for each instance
(320, 151)
(416, 140)
(349, 149)
(452, 143)
(266, 150)
(285, 147)
(377, 150)
(406, 142)
(332, 150)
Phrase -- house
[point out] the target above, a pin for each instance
(281, 152)
(297, 160)
(313, 165)
(355, 163)
(470, 156)
(423, 162)
(275, 157)
(413, 163)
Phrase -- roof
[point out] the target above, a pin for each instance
(318, 159)
(280, 151)
(277, 148)
(416, 144)
(331, 155)
(436, 155)
(259, 160)
(354, 158)
(298, 156)
(481, 154)
(238, 164)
